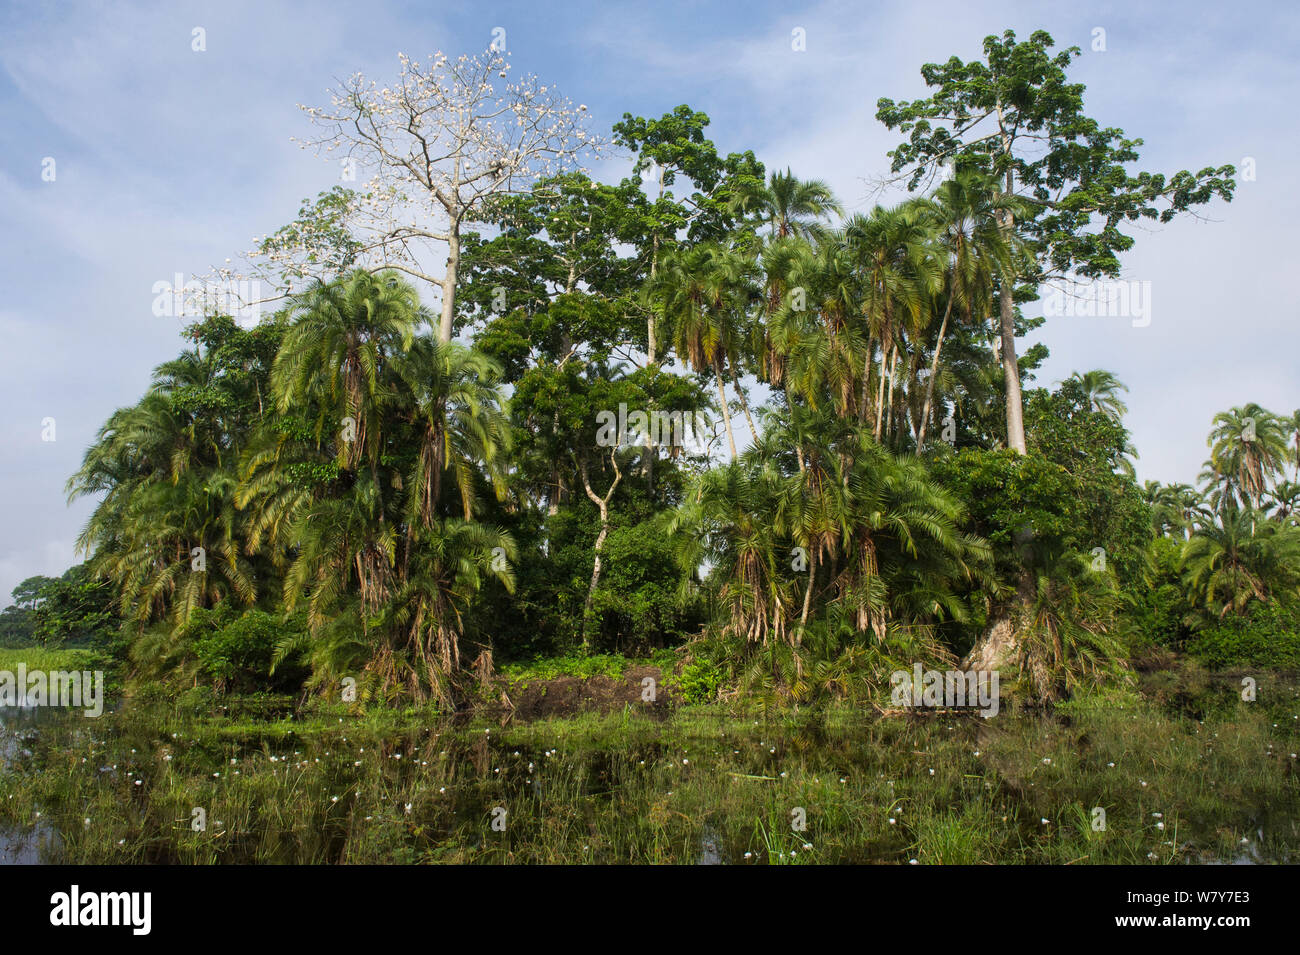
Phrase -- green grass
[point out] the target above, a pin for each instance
(581, 665)
(39, 658)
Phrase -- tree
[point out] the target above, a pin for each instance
(666, 148)
(818, 498)
(76, 608)
(705, 293)
(968, 212)
(1016, 116)
(1286, 501)
(1174, 507)
(367, 491)
(1239, 558)
(1248, 446)
(1293, 423)
(166, 532)
(1101, 391)
(786, 205)
(900, 274)
(431, 149)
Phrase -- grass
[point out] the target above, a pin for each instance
(1179, 778)
(39, 658)
(580, 665)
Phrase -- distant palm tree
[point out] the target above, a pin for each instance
(968, 213)
(787, 204)
(1101, 392)
(893, 249)
(1248, 446)
(705, 292)
(1239, 558)
(1293, 423)
(1174, 507)
(1285, 497)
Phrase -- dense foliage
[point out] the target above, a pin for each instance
(822, 463)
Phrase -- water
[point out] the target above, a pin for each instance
(19, 846)
(422, 790)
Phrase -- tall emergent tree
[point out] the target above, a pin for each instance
(430, 150)
(1015, 115)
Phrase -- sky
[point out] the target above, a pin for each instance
(168, 159)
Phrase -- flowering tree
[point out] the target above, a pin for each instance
(429, 150)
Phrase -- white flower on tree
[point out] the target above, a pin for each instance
(430, 149)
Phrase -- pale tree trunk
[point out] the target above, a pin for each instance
(1007, 310)
(603, 504)
(807, 594)
(651, 343)
(449, 290)
(929, 385)
(744, 405)
(726, 413)
(893, 386)
(1011, 373)
(998, 645)
(885, 357)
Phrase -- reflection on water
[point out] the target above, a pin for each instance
(22, 846)
(424, 785)
(30, 847)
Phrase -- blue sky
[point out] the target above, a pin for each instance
(170, 160)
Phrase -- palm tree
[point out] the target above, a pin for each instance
(334, 355)
(1286, 501)
(1100, 390)
(362, 518)
(1247, 448)
(1174, 507)
(166, 532)
(705, 293)
(900, 274)
(813, 339)
(1236, 559)
(974, 249)
(787, 204)
(1293, 423)
(880, 539)
(451, 398)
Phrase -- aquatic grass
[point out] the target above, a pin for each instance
(707, 784)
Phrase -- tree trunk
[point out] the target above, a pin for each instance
(1011, 372)
(929, 385)
(1007, 309)
(885, 357)
(807, 594)
(726, 413)
(603, 504)
(449, 285)
(893, 385)
(744, 404)
(651, 344)
(866, 379)
(998, 645)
